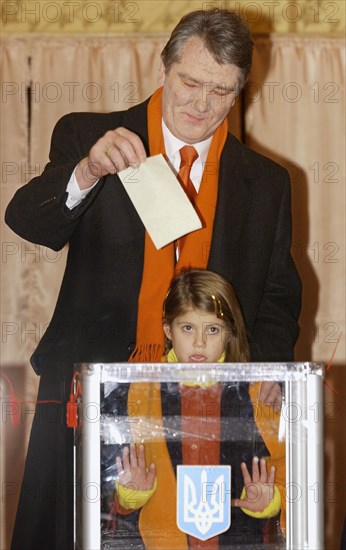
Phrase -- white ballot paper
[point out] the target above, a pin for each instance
(160, 201)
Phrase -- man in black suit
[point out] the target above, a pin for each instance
(79, 200)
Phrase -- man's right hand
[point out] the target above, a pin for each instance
(116, 150)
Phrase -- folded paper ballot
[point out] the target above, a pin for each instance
(160, 201)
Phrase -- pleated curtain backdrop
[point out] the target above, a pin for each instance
(292, 111)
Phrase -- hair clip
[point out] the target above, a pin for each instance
(164, 303)
(217, 307)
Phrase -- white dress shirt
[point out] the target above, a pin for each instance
(172, 147)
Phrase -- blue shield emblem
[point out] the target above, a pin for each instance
(203, 500)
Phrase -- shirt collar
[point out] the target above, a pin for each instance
(173, 144)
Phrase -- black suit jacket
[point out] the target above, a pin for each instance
(96, 312)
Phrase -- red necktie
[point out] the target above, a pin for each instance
(188, 155)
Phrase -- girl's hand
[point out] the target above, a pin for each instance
(132, 469)
(259, 488)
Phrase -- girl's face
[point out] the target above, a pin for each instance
(197, 337)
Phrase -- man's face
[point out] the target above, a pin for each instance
(198, 93)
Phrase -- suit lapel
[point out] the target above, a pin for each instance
(234, 198)
(135, 119)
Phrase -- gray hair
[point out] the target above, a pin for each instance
(224, 33)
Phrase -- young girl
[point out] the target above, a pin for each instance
(203, 323)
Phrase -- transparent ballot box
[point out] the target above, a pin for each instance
(170, 457)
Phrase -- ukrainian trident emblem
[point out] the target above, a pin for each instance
(203, 500)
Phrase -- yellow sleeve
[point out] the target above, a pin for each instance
(270, 511)
(131, 499)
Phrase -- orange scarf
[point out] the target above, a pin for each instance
(159, 265)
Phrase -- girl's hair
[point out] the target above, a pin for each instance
(209, 292)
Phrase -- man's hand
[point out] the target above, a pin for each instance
(133, 472)
(270, 394)
(116, 150)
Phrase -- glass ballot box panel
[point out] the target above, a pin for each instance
(187, 456)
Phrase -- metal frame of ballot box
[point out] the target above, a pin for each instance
(301, 425)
